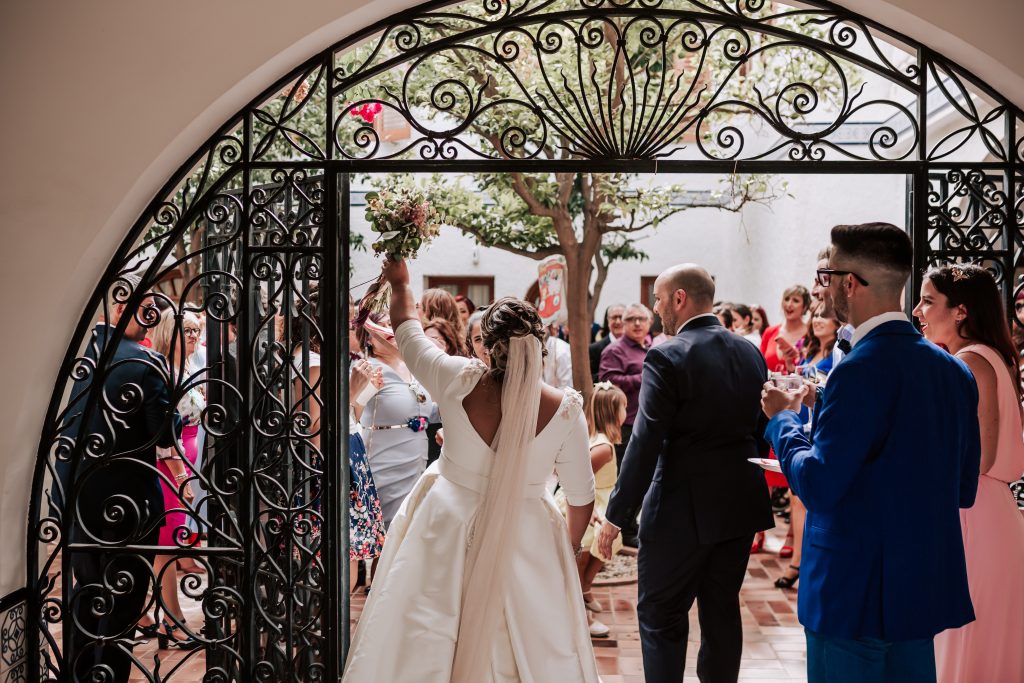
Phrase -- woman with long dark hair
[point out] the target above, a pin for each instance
(961, 309)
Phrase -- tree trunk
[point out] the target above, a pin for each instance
(577, 291)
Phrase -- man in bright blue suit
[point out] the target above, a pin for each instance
(895, 455)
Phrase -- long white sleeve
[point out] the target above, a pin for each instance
(573, 462)
(434, 369)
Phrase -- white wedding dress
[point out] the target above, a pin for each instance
(409, 627)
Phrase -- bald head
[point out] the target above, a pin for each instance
(682, 292)
(694, 280)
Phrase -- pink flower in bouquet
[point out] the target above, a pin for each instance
(419, 214)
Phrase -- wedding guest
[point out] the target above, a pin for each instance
(759, 320)
(439, 303)
(961, 309)
(657, 333)
(815, 364)
(743, 324)
(466, 307)
(724, 314)
(778, 345)
(474, 338)
(883, 568)
(444, 334)
(845, 333)
(558, 361)
(610, 331)
(605, 412)
(440, 331)
(178, 345)
(394, 420)
(132, 426)
(365, 518)
(622, 364)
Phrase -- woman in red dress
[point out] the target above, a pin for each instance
(778, 345)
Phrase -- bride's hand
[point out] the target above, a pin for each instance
(396, 272)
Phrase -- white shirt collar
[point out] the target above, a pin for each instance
(865, 327)
(611, 335)
(699, 315)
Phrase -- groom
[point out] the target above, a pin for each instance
(698, 421)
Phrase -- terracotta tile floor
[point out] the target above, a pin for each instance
(773, 649)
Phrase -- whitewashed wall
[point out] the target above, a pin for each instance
(754, 254)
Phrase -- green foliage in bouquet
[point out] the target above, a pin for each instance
(405, 219)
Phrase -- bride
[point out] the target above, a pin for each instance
(477, 582)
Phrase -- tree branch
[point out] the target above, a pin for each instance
(537, 255)
(536, 208)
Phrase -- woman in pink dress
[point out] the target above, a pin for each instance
(961, 309)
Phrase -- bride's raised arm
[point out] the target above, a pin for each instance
(430, 365)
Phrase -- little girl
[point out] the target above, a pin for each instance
(605, 414)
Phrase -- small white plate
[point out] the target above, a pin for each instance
(767, 464)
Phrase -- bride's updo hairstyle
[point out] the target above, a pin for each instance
(506, 318)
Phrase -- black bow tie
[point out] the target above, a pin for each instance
(844, 345)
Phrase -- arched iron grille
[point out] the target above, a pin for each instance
(253, 232)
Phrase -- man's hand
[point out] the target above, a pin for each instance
(810, 394)
(775, 400)
(606, 535)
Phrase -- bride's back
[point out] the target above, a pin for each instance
(482, 406)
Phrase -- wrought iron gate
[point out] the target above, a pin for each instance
(252, 232)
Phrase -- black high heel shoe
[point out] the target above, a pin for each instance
(788, 581)
(149, 632)
(167, 636)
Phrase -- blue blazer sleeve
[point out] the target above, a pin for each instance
(653, 419)
(850, 426)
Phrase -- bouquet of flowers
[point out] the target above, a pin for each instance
(405, 221)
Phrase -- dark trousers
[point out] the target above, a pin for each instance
(869, 660)
(629, 532)
(671, 578)
(120, 581)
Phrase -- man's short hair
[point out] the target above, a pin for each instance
(641, 307)
(882, 244)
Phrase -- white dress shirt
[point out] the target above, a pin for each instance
(558, 363)
(871, 323)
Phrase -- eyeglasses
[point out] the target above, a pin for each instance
(824, 276)
(192, 331)
(634, 320)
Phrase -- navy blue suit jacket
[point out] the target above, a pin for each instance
(133, 415)
(698, 421)
(895, 456)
